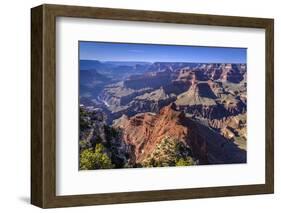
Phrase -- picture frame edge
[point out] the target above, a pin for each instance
(43, 174)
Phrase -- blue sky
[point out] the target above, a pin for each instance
(107, 51)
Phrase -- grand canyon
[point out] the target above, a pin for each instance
(135, 114)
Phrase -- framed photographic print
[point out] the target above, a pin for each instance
(137, 106)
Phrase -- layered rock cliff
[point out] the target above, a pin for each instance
(146, 130)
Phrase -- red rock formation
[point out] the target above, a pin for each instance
(145, 130)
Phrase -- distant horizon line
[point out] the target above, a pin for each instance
(164, 61)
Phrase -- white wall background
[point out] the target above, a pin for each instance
(15, 104)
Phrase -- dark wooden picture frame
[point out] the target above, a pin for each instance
(43, 105)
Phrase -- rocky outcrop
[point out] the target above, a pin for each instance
(145, 130)
(95, 131)
(233, 73)
(233, 128)
(212, 100)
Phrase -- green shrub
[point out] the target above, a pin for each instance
(95, 159)
(169, 152)
(185, 162)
